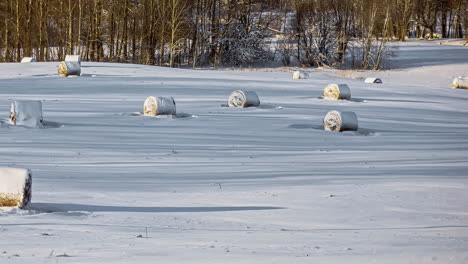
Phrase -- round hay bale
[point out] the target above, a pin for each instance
(26, 113)
(372, 80)
(243, 99)
(340, 121)
(155, 106)
(337, 92)
(28, 60)
(67, 68)
(300, 75)
(76, 58)
(460, 82)
(15, 187)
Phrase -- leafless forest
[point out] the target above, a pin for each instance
(199, 33)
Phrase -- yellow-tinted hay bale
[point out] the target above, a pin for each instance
(337, 92)
(68, 68)
(300, 75)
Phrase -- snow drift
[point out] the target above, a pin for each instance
(15, 187)
(243, 99)
(340, 121)
(155, 106)
(26, 113)
(337, 92)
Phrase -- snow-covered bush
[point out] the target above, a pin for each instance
(243, 46)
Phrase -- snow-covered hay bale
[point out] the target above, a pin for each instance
(67, 68)
(76, 58)
(340, 121)
(155, 106)
(28, 60)
(337, 92)
(372, 80)
(26, 113)
(300, 75)
(15, 187)
(243, 99)
(460, 82)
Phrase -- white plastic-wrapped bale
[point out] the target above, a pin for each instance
(26, 113)
(68, 68)
(155, 106)
(372, 80)
(15, 187)
(460, 82)
(243, 99)
(76, 58)
(300, 75)
(337, 92)
(28, 60)
(340, 121)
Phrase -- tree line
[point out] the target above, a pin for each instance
(223, 32)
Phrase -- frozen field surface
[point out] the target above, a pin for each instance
(226, 185)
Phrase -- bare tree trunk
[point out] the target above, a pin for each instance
(444, 22)
(70, 29)
(5, 41)
(80, 15)
(134, 51)
(125, 26)
(41, 26)
(17, 26)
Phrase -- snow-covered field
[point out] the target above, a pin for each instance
(225, 185)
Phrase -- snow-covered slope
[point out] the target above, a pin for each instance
(216, 184)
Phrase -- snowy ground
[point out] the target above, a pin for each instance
(257, 185)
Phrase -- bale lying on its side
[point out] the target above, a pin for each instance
(155, 106)
(15, 187)
(76, 58)
(372, 80)
(340, 121)
(67, 68)
(300, 75)
(26, 113)
(28, 60)
(336, 92)
(243, 99)
(460, 82)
